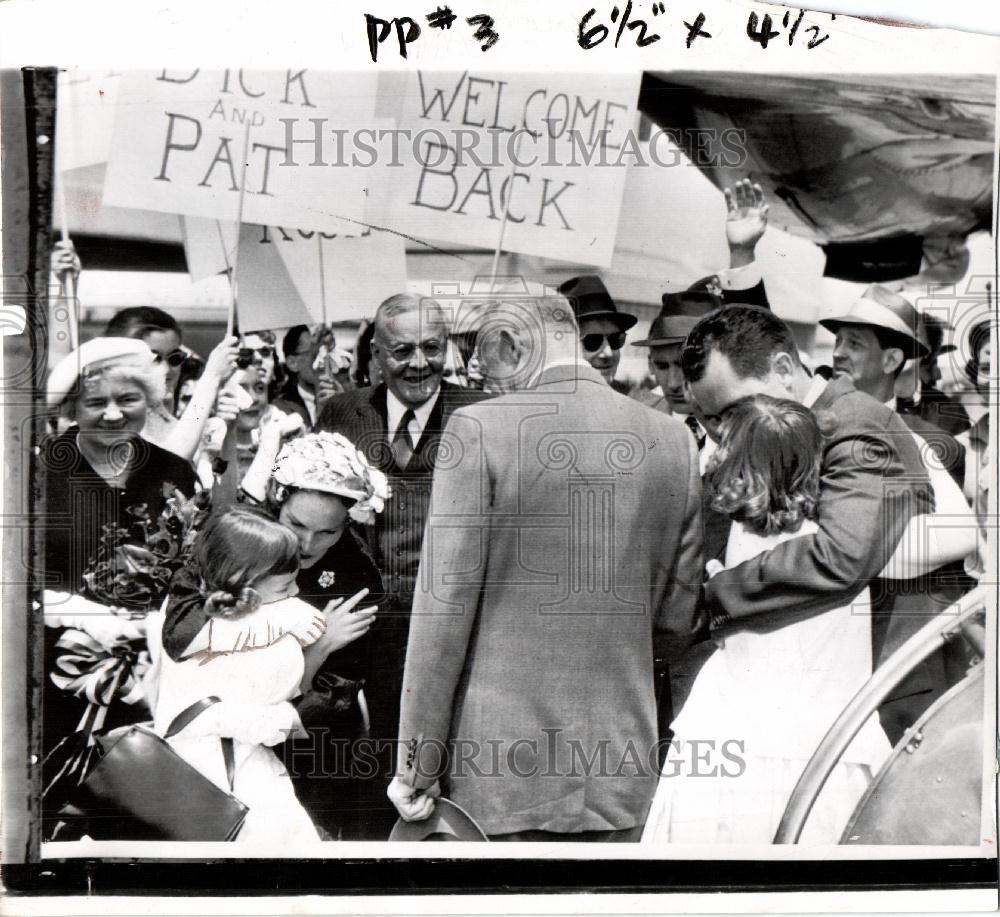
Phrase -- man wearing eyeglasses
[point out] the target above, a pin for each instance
(398, 425)
(602, 326)
(298, 394)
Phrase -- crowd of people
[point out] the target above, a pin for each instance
(464, 565)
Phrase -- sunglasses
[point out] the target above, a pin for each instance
(593, 342)
(247, 356)
(173, 359)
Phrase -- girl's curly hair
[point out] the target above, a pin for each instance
(766, 471)
(237, 549)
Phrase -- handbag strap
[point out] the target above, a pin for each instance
(187, 716)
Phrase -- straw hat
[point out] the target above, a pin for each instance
(448, 822)
(88, 358)
(881, 308)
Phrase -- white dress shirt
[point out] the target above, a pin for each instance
(395, 410)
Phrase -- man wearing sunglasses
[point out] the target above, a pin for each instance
(602, 326)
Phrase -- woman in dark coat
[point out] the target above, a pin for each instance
(322, 489)
(98, 473)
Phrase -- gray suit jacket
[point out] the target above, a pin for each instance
(564, 539)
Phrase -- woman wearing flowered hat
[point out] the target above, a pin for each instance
(322, 489)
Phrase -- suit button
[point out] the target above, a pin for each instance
(402, 530)
(402, 506)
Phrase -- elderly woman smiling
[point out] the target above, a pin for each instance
(96, 473)
(100, 466)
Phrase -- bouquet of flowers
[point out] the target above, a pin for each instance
(101, 655)
(135, 562)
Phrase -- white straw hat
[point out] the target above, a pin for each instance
(99, 353)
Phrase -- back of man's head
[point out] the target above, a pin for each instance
(518, 338)
(747, 336)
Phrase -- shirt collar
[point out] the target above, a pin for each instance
(815, 390)
(395, 409)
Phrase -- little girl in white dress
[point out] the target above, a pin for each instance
(250, 657)
(763, 701)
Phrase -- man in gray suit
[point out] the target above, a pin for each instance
(562, 552)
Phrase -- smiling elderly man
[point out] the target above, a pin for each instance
(398, 424)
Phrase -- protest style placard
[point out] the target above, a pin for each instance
(179, 137)
(341, 278)
(87, 103)
(482, 144)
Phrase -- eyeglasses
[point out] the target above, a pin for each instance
(173, 359)
(593, 342)
(404, 352)
(247, 356)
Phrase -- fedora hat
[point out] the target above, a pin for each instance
(679, 314)
(448, 822)
(589, 298)
(881, 308)
(935, 330)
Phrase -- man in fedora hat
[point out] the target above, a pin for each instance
(602, 326)
(680, 313)
(874, 339)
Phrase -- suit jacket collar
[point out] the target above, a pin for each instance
(290, 391)
(563, 373)
(835, 388)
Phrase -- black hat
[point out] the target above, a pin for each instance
(680, 313)
(589, 298)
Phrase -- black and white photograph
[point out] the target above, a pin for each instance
(566, 432)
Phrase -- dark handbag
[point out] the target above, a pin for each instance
(141, 789)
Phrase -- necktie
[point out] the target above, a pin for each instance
(402, 444)
(696, 431)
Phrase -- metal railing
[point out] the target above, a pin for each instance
(958, 620)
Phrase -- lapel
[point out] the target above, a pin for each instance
(290, 392)
(371, 425)
(426, 451)
(372, 417)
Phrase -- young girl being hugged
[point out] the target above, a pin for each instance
(250, 657)
(761, 704)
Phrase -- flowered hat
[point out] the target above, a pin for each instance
(331, 463)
